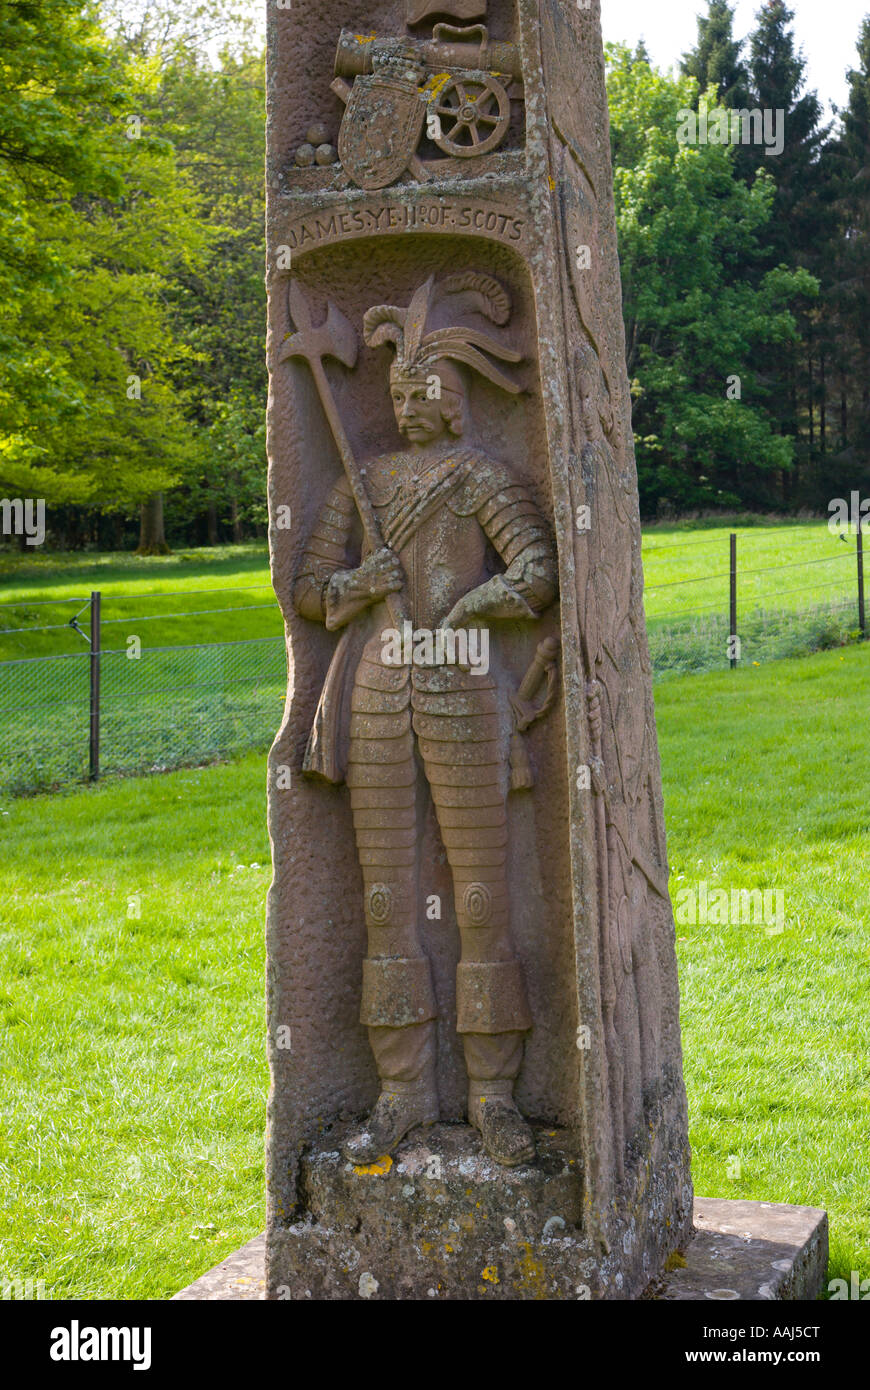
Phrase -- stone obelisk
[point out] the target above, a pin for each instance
(477, 1085)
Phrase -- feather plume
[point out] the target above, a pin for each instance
(384, 323)
(484, 293)
(415, 319)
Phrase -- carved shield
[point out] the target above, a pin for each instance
(381, 129)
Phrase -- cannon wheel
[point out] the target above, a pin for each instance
(474, 113)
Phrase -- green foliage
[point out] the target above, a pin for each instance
(699, 323)
(99, 222)
(716, 60)
(215, 120)
(132, 301)
(132, 305)
(846, 324)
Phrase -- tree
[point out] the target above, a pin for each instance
(164, 29)
(777, 81)
(715, 62)
(211, 109)
(101, 216)
(698, 321)
(847, 284)
(216, 120)
(57, 90)
(801, 229)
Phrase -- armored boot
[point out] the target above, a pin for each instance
(397, 994)
(506, 1135)
(492, 1016)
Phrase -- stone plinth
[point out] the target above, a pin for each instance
(741, 1251)
(441, 1220)
(751, 1252)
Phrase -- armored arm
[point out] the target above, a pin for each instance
(325, 555)
(517, 531)
(326, 591)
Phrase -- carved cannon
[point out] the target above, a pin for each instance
(449, 47)
(469, 84)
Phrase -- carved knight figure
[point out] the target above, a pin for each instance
(441, 501)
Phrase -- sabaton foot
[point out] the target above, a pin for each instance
(506, 1136)
(393, 1116)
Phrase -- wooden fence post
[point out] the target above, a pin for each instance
(94, 761)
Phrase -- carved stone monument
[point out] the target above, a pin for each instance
(477, 1084)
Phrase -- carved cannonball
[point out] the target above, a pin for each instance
(305, 156)
(317, 134)
(326, 154)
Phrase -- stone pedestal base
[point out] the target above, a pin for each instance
(751, 1251)
(441, 1220)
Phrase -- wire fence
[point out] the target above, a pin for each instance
(744, 624)
(71, 717)
(169, 707)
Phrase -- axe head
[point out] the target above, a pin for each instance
(336, 337)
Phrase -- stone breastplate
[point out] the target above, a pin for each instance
(443, 560)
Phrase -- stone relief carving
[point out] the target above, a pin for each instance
(424, 707)
(549, 983)
(456, 89)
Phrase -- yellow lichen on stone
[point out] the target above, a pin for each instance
(435, 85)
(375, 1170)
(675, 1261)
(490, 1274)
(531, 1272)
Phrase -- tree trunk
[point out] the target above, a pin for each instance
(211, 519)
(811, 402)
(152, 538)
(237, 525)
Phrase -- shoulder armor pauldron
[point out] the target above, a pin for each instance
(486, 479)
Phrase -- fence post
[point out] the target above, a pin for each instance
(733, 613)
(94, 760)
(862, 612)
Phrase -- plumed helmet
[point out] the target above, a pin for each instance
(417, 351)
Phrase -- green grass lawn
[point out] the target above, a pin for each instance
(766, 785)
(686, 567)
(783, 564)
(133, 1063)
(139, 594)
(132, 982)
(797, 592)
(196, 692)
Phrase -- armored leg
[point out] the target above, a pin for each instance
(398, 1002)
(456, 720)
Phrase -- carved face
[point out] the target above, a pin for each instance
(426, 408)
